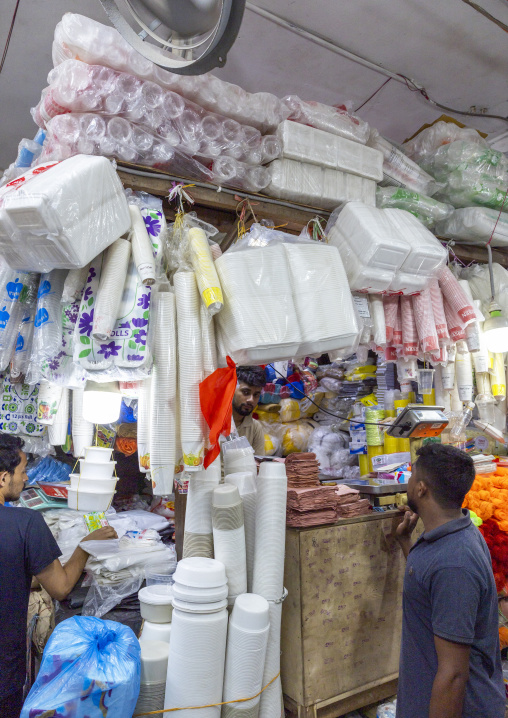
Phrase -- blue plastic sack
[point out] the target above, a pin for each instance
(90, 669)
(47, 471)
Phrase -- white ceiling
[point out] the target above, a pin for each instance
(458, 55)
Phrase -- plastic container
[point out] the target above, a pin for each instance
(97, 455)
(89, 470)
(92, 485)
(425, 380)
(158, 578)
(89, 500)
(156, 603)
(154, 661)
(200, 572)
(156, 631)
(199, 595)
(272, 470)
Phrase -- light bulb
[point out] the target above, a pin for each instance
(495, 330)
(102, 402)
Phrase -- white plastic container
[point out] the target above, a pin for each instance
(156, 631)
(154, 661)
(97, 454)
(156, 603)
(92, 470)
(89, 500)
(92, 485)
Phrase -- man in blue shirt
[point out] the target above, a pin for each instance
(450, 661)
(27, 548)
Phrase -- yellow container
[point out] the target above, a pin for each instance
(399, 404)
(390, 412)
(374, 451)
(363, 460)
(391, 444)
(403, 445)
(430, 399)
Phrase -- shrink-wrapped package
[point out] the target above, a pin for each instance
(335, 120)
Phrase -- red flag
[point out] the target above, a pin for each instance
(216, 397)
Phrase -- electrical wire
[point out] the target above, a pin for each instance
(486, 14)
(373, 94)
(9, 35)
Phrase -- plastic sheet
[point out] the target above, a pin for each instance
(463, 155)
(335, 120)
(475, 225)
(81, 37)
(429, 211)
(429, 140)
(466, 188)
(88, 667)
(307, 144)
(74, 284)
(62, 215)
(317, 186)
(399, 170)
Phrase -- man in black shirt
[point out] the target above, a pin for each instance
(27, 548)
(450, 662)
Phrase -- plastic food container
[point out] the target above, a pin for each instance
(92, 485)
(96, 470)
(160, 577)
(156, 632)
(88, 500)
(156, 603)
(154, 661)
(97, 454)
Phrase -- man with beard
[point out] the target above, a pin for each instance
(250, 381)
(450, 662)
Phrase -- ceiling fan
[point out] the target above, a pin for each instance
(188, 37)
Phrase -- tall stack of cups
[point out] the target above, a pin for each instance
(244, 482)
(114, 273)
(198, 536)
(82, 430)
(229, 538)
(154, 668)
(197, 648)
(57, 432)
(144, 424)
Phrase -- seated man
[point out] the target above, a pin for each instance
(251, 379)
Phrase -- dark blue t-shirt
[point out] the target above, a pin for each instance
(27, 547)
(449, 592)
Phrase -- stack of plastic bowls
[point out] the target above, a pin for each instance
(198, 638)
(82, 430)
(94, 487)
(155, 603)
(229, 538)
(154, 666)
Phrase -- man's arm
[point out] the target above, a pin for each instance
(404, 529)
(59, 580)
(449, 685)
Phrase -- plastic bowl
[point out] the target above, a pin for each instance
(96, 470)
(97, 454)
(155, 603)
(154, 661)
(92, 485)
(89, 501)
(199, 572)
(155, 632)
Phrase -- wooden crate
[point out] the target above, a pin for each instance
(341, 621)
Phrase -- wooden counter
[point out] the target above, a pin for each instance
(341, 621)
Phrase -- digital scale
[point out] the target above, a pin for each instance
(41, 498)
(417, 421)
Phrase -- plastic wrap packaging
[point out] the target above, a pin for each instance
(47, 338)
(307, 144)
(24, 397)
(141, 247)
(74, 284)
(399, 170)
(429, 211)
(318, 186)
(144, 424)
(390, 306)
(455, 296)
(89, 667)
(77, 87)
(456, 327)
(28, 153)
(498, 377)
(378, 316)
(11, 311)
(464, 376)
(232, 173)
(466, 188)
(23, 348)
(114, 272)
(409, 333)
(204, 269)
(479, 282)
(425, 323)
(335, 120)
(210, 361)
(81, 37)
(57, 433)
(475, 225)
(429, 140)
(82, 430)
(438, 311)
(462, 155)
(62, 216)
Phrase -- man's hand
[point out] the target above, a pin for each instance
(103, 534)
(404, 529)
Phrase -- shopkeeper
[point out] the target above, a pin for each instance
(27, 548)
(251, 379)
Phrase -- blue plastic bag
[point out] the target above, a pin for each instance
(90, 669)
(48, 470)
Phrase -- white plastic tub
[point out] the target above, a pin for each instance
(97, 454)
(92, 485)
(88, 500)
(156, 603)
(95, 470)
(156, 632)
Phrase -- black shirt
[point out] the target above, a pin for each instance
(449, 592)
(27, 547)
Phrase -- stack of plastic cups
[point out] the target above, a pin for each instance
(57, 432)
(197, 649)
(442, 395)
(163, 397)
(114, 273)
(141, 247)
(464, 376)
(210, 362)
(204, 269)
(229, 538)
(198, 536)
(144, 418)
(190, 368)
(245, 483)
(498, 378)
(238, 456)
(248, 630)
(82, 430)
(154, 669)
(48, 402)
(375, 433)
(47, 338)
(268, 580)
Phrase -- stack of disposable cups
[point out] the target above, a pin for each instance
(154, 669)
(268, 580)
(57, 432)
(238, 456)
(144, 426)
(464, 376)
(190, 368)
(141, 247)
(229, 538)
(198, 536)
(114, 273)
(442, 395)
(210, 363)
(47, 338)
(82, 430)
(204, 269)
(245, 655)
(498, 378)
(163, 399)
(197, 648)
(448, 376)
(48, 402)
(244, 482)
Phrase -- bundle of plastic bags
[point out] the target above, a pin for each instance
(335, 120)
(428, 210)
(427, 142)
(400, 170)
(475, 225)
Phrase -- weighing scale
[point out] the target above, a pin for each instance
(417, 421)
(41, 498)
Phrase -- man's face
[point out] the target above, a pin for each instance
(246, 398)
(13, 484)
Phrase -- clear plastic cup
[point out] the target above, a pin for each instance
(425, 380)
(160, 576)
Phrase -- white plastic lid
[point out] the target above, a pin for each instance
(200, 607)
(251, 612)
(200, 572)
(160, 594)
(226, 495)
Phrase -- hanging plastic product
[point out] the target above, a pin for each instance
(90, 669)
(47, 339)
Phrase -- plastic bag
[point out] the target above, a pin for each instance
(465, 188)
(335, 120)
(476, 225)
(387, 710)
(399, 170)
(463, 155)
(90, 668)
(101, 598)
(427, 210)
(296, 437)
(429, 140)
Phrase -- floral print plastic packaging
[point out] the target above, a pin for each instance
(90, 669)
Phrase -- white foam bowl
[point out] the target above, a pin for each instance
(155, 603)
(97, 454)
(96, 470)
(88, 500)
(92, 485)
(156, 632)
